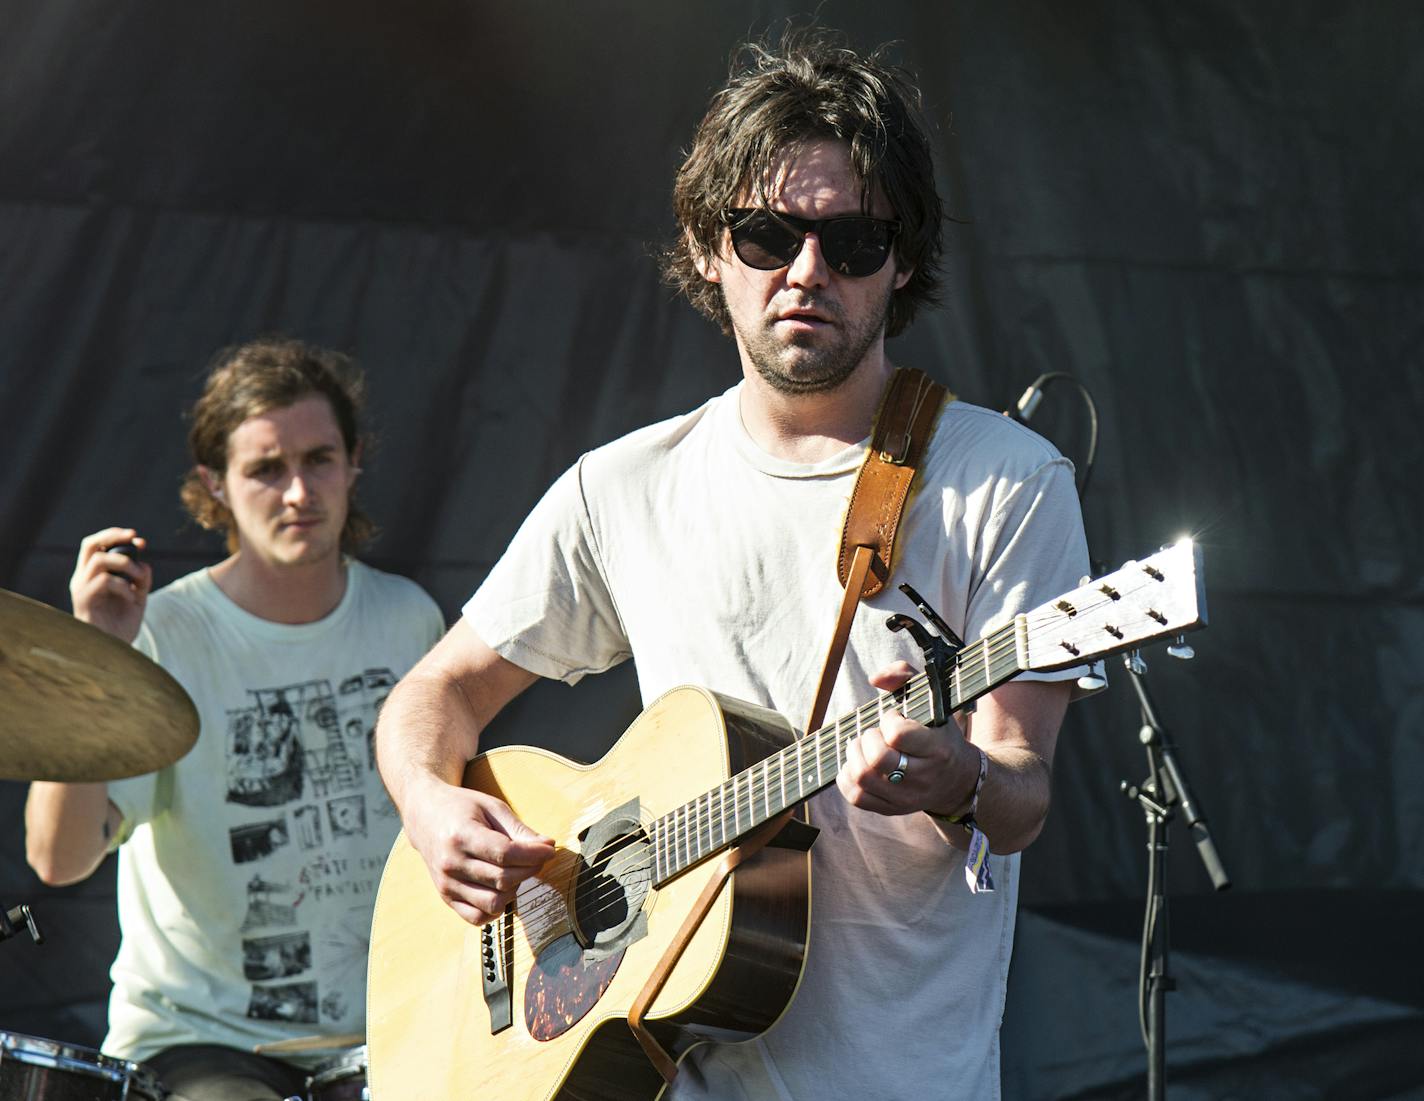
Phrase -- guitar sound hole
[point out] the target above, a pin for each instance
(611, 887)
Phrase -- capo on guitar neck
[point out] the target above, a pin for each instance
(953, 641)
(939, 649)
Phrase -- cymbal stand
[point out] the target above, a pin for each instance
(1161, 795)
(19, 919)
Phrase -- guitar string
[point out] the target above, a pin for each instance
(919, 692)
(908, 701)
(700, 838)
(834, 739)
(700, 841)
(828, 742)
(551, 914)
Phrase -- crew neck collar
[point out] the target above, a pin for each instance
(256, 625)
(843, 461)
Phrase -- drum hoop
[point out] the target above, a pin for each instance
(343, 1066)
(75, 1058)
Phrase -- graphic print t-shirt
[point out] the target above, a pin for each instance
(249, 869)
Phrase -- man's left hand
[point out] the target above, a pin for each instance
(937, 765)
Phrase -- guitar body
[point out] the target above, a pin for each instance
(584, 936)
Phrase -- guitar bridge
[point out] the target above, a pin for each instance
(496, 942)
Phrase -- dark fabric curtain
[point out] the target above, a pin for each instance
(1210, 214)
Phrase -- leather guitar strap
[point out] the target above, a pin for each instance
(903, 425)
(903, 428)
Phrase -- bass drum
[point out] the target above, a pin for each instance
(340, 1079)
(34, 1069)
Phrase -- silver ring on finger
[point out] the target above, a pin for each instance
(898, 772)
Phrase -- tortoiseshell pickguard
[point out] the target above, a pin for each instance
(562, 987)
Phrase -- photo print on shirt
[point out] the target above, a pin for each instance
(304, 739)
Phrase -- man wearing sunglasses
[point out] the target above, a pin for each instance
(705, 548)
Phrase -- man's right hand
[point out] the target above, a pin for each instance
(475, 849)
(110, 589)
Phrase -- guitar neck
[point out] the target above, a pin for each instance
(717, 819)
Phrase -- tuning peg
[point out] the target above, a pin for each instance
(1095, 679)
(1179, 649)
(1135, 662)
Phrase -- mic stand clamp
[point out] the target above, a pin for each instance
(1160, 796)
(19, 919)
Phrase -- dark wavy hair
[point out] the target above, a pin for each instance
(247, 380)
(809, 87)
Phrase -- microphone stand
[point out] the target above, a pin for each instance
(1161, 795)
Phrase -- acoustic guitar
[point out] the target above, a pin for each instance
(536, 1004)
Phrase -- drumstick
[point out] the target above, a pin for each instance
(310, 1043)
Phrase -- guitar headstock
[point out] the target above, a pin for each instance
(1139, 603)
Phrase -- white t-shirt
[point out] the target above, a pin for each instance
(686, 546)
(248, 869)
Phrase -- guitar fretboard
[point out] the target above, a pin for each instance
(717, 819)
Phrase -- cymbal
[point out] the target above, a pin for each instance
(299, 1044)
(77, 704)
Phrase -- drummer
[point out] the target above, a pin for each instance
(247, 870)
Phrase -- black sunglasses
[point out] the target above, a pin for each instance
(852, 245)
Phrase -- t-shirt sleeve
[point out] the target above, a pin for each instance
(1032, 550)
(138, 796)
(546, 605)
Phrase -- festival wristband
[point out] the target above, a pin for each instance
(976, 860)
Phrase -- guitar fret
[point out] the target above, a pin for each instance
(712, 805)
(722, 810)
(663, 853)
(672, 842)
(692, 832)
(697, 828)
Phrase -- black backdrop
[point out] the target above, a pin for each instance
(1209, 213)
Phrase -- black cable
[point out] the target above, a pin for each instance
(1028, 402)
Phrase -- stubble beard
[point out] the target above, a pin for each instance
(812, 365)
